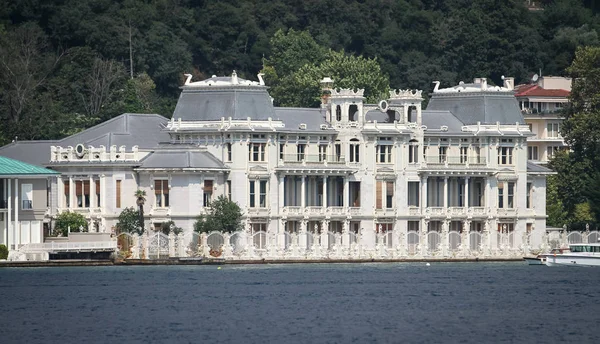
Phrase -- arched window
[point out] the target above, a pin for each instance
(413, 151)
(353, 113)
(354, 150)
(338, 113)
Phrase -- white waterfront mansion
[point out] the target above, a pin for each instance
(348, 180)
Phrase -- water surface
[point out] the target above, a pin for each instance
(333, 303)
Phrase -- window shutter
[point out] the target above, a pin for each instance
(97, 182)
(78, 186)
(390, 189)
(378, 195)
(165, 187)
(86, 187)
(208, 186)
(157, 187)
(66, 187)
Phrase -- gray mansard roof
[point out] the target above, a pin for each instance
(293, 117)
(434, 120)
(478, 102)
(175, 159)
(142, 130)
(212, 104)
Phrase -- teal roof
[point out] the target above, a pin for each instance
(11, 167)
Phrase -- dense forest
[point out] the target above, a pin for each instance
(68, 64)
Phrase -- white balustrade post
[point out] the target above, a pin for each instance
(171, 243)
(135, 248)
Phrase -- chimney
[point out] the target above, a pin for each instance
(509, 82)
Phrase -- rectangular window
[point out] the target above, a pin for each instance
(476, 153)
(82, 193)
(229, 190)
(528, 197)
(505, 155)
(383, 154)
(442, 154)
(500, 195)
(281, 150)
(378, 195)
(389, 195)
(532, 153)
(97, 182)
(553, 130)
(463, 154)
(300, 149)
(208, 192)
(228, 155)
(26, 196)
(413, 154)
(322, 153)
(338, 152)
(118, 194)
(161, 191)
(256, 151)
(263, 194)
(511, 195)
(413, 194)
(252, 194)
(355, 152)
(67, 194)
(354, 194)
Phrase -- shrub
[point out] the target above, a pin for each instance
(3, 252)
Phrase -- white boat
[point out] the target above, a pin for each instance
(538, 260)
(577, 255)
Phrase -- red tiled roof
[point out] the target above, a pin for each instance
(537, 91)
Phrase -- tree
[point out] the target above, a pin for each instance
(223, 216)
(167, 227)
(128, 221)
(140, 196)
(67, 221)
(100, 85)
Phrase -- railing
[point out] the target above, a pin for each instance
(71, 246)
(457, 211)
(315, 210)
(478, 211)
(436, 210)
(296, 210)
(301, 158)
(354, 210)
(336, 210)
(454, 160)
(414, 211)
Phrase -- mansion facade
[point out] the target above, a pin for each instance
(348, 179)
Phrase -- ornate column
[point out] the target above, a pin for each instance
(346, 198)
(103, 193)
(324, 193)
(281, 234)
(423, 194)
(17, 238)
(172, 244)
(466, 237)
(92, 193)
(302, 239)
(325, 235)
(281, 186)
(445, 192)
(303, 193)
(445, 245)
(135, 248)
(72, 199)
(467, 192)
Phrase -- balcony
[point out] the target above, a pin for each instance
(312, 159)
(414, 211)
(385, 212)
(336, 211)
(457, 211)
(507, 212)
(442, 161)
(315, 210)
(477, 211)
(292, 210)
(260, 212)
(436, 211)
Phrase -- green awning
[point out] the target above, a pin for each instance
(11, 167)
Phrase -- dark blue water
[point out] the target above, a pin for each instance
(346, 303)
